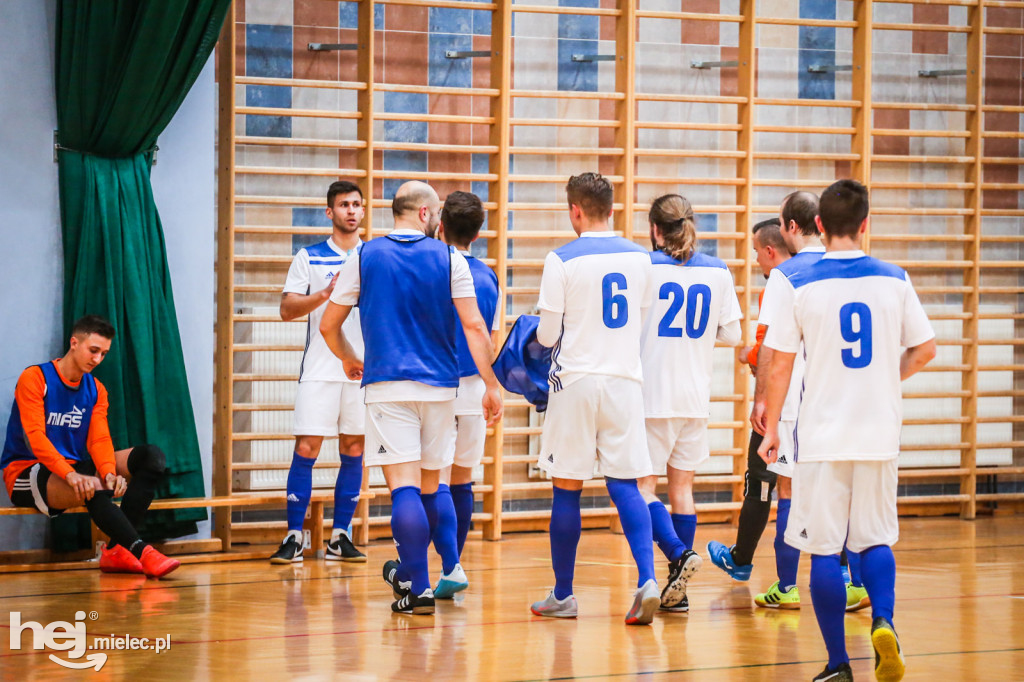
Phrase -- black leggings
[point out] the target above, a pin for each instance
(758, 485)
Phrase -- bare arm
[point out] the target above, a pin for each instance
(775, 395)
(330, 327)
(294, 306)
(914, 359)
(478, 338)
(757, 412)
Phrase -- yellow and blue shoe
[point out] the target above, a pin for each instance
(889, 663)
(775, 598)
(856, 598)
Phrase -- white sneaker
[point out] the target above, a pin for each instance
(646, 601)
(554, 608)
(448, 585)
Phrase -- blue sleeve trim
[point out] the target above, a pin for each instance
(855, 268)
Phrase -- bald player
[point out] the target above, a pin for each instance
(405, 285)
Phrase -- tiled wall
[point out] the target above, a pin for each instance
(410, 43)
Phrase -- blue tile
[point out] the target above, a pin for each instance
(482, 22)
(268, 96)
(817, 38)
(311, 217)
(574, 26)
(817, 9)
(348, 14)
(268, 51)
(378, 17)
(707, 222)
(480, 163)
(816, 85)
(452, 73)
(401, 160)
(405, 103)
(300, 241)
(478, 249)
(448, 20)
(579, 76)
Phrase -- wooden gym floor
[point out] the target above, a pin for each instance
(959, 611)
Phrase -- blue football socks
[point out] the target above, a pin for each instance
(787, 559)
(636, 524)
(299, 488)
(566, 525)
(462, 498)
(346, 490)
(411, 531)
(828, 594)
(878, 569)
(664, 533)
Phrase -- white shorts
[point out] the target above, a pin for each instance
(327, 408)
(596, 418)
(470, 398)
(471, 432)
(785, 465)
(680, 442)
(843, 502)
(414, 431)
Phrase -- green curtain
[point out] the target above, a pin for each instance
(123, 68)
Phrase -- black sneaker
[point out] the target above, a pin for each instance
(423, 605)
(889, 664)
(842, 673)
(681, 607)
(342, 549)
(290, 551)
(679, 572)
(400, 588)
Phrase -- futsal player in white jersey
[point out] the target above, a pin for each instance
(327, 403)
(592, 294)
(693, 304)
(412, 291)
(853, 315)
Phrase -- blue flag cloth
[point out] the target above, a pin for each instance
(523, 363)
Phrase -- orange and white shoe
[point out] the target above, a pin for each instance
(155, 564)
(119, 560)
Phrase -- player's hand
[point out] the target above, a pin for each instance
(494, 407)
(743, 354)
(83, 486)
(758, 417)
(116, 483)
(769, 450)
(353, 368)
(330, 287)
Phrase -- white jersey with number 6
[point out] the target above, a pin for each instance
(855, 314)
(690, 302)
(599, 283)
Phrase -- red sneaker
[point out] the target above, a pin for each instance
(119, 560)
(155, 564)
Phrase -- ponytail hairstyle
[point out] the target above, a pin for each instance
(673, 215)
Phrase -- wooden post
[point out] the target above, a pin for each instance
(747, 88)
(972, 252)
(364, 128)
(224, 356)
(625, 136)
(861, 141)
(497, 246)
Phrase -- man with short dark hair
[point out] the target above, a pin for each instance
(593, 292)
(58, 453)
(461, 219)
(850, 315)
(327, 403)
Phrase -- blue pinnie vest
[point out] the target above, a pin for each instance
(68, 414)
(406, 311)
(486, 284)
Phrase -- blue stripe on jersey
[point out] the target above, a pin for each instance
(334, 261)
(845, 268)
(696, 260)
(556, 381)
(799, 262)
(595, 246)
(322, 250)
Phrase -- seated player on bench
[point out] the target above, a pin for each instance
(58, 453)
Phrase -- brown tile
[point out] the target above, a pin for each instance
(482, 67)
(449, 163)
(448, 105)
(607, 110)
(239, 50)
(1003, 80)
(1004, 17)
(379, 49)
(844, 169)
(315, 13)
(307, 64)
(992, 198)
(891, 118)
(701, 32)
(930, 42)
(405, 57)
(348, 62)
(240, 11)
(406, 18)
(997, 45)
(347, 158)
